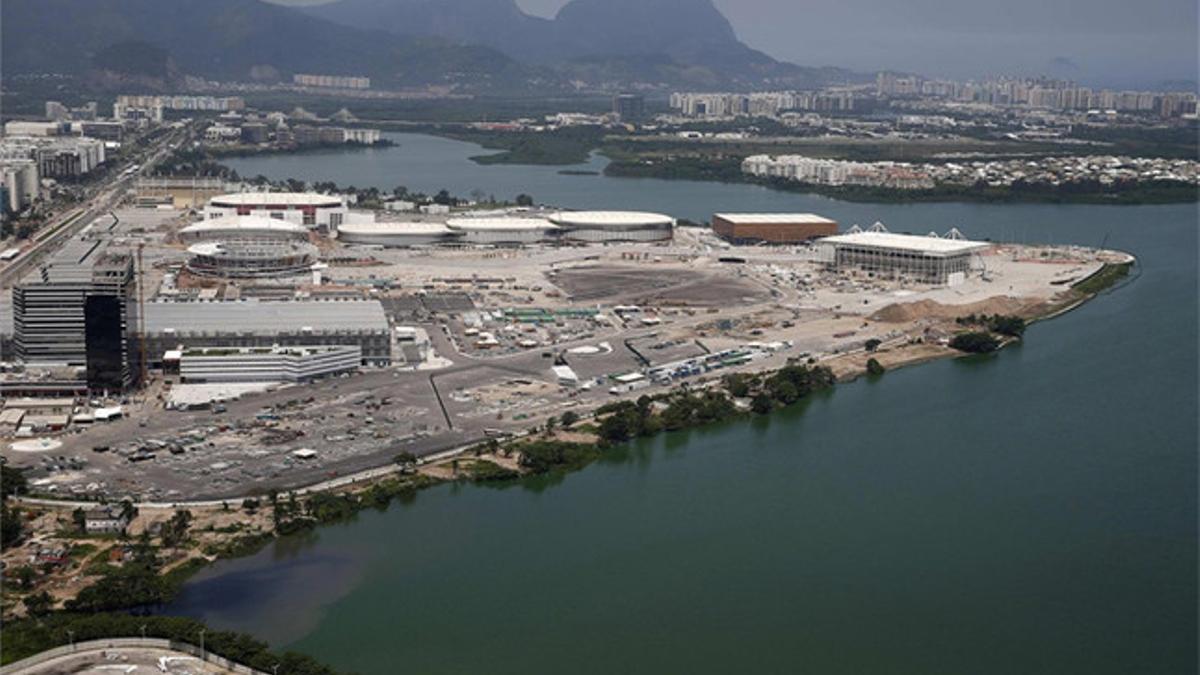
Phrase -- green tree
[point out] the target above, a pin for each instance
(569, 418)
(872, 344)
(524, 200)
(39, 604)
(874, 367)
(762, 403)
(976, 342)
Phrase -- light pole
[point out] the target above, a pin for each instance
(71, 637)
(203, 654)
(275, 669)
(143, 631)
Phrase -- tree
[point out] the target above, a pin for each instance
(174, 531)
(79, 518)
(569, 418)
(738, 385)
(1012, 326)
(874, 367)
(39, 604)
(443, 197)
(406, 460)
(128, 510)
(872, 344)
(11, 528)
(762, 403)
(524, 200)
(975, 342)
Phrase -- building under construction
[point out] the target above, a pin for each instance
(80, 311)
(930, 259)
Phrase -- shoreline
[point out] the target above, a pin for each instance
(260, 520)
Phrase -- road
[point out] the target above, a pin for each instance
(66, 225)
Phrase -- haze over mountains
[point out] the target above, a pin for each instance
(467, 44)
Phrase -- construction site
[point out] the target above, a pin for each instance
(454, 344)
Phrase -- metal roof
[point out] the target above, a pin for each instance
(252, 316)
(501, 224)
(772, 218)
(610, 219)
(276, 199)
(239, 224)
(934, 246)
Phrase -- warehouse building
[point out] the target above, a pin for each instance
(928, 259)
(612, 226)
(772, 228)
(311, 210)
(502, 231)
(267, 364)
(252, 323)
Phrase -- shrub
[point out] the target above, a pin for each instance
(975, 342)
(874, 367)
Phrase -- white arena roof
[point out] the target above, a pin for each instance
(414, 228)
(770, 218)
(247, 224)
(601, 219)
(501, 224)
(276, 199)
(911, 243)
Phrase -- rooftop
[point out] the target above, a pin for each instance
(610, 218)
(771, 218)
(907, 242)
(240, 223)
(276, 199)
(500, 224)
(252, 316)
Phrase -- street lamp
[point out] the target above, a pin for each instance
(143, 631)
(203, 654)
(275, 669)
(71, 637)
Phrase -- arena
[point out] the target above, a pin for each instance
(502, 230)
(311, 210)
(251, 259)
(396, 234)
(245, 228)
(606, 226)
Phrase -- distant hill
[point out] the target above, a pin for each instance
(663, 42)
(232, 40)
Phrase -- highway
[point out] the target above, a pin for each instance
(67, 225)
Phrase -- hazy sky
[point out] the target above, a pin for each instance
(1103, 42)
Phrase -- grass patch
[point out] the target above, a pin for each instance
(1104, 278)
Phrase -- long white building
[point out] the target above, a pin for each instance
(607, 226)
(267, 364)
(498, 231)
(311, 210)
(396, 235)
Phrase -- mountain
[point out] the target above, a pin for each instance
(231, 40)
(656, 42)
(499, 24)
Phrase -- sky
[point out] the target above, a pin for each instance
(1120, 43)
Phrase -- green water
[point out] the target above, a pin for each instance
(1029, 512)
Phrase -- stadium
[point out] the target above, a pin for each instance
(396, 235)
(606, 226)
(251, 259)
(300, 208)
(502, 230)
